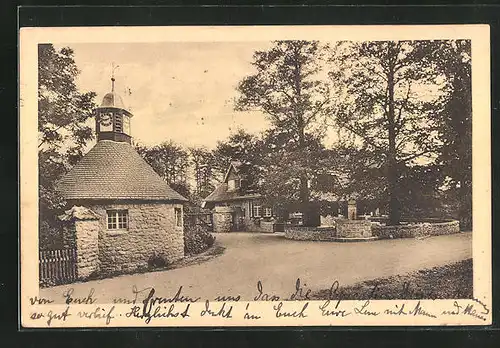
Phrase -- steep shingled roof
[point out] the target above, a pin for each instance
(222, 194)
(114, 170)
(235, 166)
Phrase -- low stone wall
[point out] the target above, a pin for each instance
(417, 229)
(310, 233)
(222, 217)
(328, 220)
(353, 228)
(266, 227)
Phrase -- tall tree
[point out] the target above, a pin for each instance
(283, 163)
(63, 130)
(63, 111)
(387, 93)
(289, 89)
(361, 174)
(202, 162)
(454, 59)
(170, 161)
(240, 146)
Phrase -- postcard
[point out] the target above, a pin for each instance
(234, 176)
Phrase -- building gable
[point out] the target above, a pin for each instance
(233, 172)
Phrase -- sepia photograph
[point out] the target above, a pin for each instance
(305, 173)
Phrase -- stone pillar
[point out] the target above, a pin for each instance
(82, 233)
(352, 211)
(222, 217)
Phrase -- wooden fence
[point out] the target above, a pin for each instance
(57, 267)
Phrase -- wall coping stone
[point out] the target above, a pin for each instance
(353, 222)
(420, 224)
(416, 229)
(78, 213)
(224, 210)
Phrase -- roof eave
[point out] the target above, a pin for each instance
(146, 199)
(238, 198)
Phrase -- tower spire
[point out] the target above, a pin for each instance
(113, 68)
(112, 117)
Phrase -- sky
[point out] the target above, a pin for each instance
(180, 91)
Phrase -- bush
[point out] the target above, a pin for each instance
(157, 261)
(197, 239)
(45, 283)
(49, 237)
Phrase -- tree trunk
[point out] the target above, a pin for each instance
(465, 191)
(465, 144)
(392, 169)
(465, 208)
(304, 189)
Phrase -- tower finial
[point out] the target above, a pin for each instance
(113, 68)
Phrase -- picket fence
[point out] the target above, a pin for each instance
(57, 266)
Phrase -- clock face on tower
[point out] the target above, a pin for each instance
(106, 121)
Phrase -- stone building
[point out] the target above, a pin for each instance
(236, 207)
(124, 216)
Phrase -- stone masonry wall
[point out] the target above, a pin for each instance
(152, 231)
(222, 219)
(266, 226)
(252, 224)
(353, 228)
(327, 220)
(417, 230)
(310, 233)
(222, 222)
(87, 232)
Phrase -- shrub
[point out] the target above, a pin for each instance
(197, 239)
(157, 261)
(49, 237)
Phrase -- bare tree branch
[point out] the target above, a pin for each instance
(366, 138)
(404, 104)
(406, 159)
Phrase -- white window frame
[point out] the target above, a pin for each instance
(117, 220)
(257, 211)
(268, 212)
(178, 217)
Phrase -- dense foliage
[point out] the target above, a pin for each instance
(287, 87)
(396, 103)
(455, 156)
(63, 131)
(401, 110)
(170, 161)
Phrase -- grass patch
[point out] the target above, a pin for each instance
(212, 252)
(444, 282)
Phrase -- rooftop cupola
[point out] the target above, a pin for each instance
(112, 118)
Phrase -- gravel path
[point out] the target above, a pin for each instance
(277, 263)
